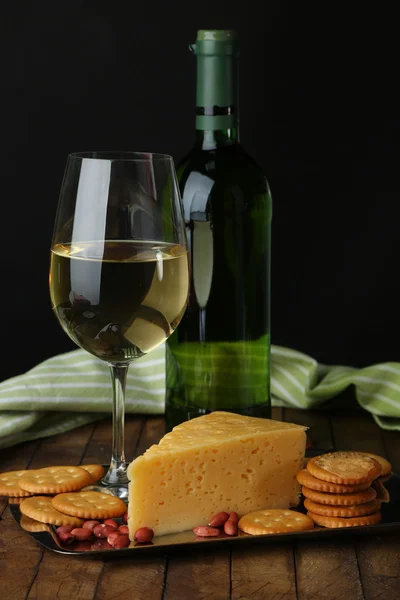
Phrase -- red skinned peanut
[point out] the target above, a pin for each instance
(101, 544)
(144, 534)
(64, 529)
(111, 523)
(231, 528)
(219, 519)
(123, 529)
(103, 531)
(233, 516)
(205, 531)
(81, 534)
(90, 524)
(113, 536)
(122, 541)
(65, 538)
(83, 546)
(125, 518)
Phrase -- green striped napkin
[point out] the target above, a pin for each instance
(73, 389)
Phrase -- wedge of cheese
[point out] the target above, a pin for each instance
(217, 462)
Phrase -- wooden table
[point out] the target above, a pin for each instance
(346, 568)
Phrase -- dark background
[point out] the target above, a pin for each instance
(318, 110)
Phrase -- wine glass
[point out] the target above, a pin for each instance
(119, 272)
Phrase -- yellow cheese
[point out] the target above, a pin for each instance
(217, 462)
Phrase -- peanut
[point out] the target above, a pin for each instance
(101, 544)
(144, 534)
(231, 528)
(81, 534)
(219, 519)
(125, 518)
(65, 537)
(113, 536)
(122, 541)
(83, 546)
(111, 523)
(123, 529)
(64, 529)
(90, 524)
(102, 531)
(204, 531)
(233, 516)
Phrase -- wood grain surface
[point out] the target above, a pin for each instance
(354, 568)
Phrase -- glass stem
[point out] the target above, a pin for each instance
(202, 324)
(117, 472)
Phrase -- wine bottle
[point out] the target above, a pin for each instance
(219, 357)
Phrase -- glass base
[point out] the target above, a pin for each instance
(114, 482)
(120, 491)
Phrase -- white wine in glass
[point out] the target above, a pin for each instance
(119, 273)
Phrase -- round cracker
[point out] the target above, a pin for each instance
(274, 520)
(17, 500)
(304, 477)
(90, 505)
(342, 511)
(41, 509)
(379, 486)
(386, 466)
(346, 468)
(9, 484)
(96, 472)
(384, 478)
(333, 522)
(339, 499)
(54, 480)
(32, 525)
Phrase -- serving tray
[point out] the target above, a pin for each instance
(187, 539)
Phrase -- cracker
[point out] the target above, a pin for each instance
(16, 500)
(386, 467)
(54, 480)
(90, 505)
(32, 525)
(96, 472)
(345, 468)
(274, 520)
(41, 509)
(339, 499)
(305, 478)
(9, 485)
(384, 478)
(333, 522)
(379, 486)
(342, 511)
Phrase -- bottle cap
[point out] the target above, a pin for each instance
(216, 42)
(216, 35)
(216, 51)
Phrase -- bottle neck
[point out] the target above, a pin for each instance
(216, 94)
(209, 139)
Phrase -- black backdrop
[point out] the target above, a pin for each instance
(318, 111)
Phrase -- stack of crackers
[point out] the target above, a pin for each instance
(345, 489)
(53, 496)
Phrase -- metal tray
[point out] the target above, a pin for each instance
(187, 539)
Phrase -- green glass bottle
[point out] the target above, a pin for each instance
(219, 357)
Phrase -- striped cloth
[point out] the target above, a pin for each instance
(73, 389)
